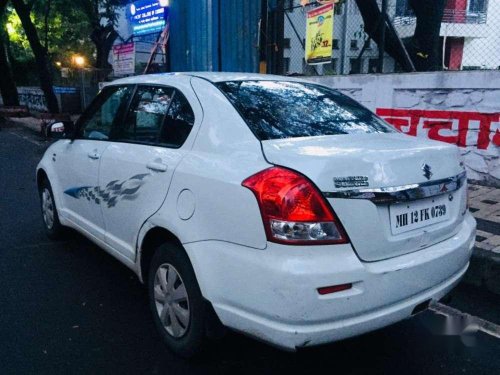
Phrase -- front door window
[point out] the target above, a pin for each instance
(98, 121)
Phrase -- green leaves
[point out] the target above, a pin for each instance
(70, 25)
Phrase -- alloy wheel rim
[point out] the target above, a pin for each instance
(171, 300)
(47, 208)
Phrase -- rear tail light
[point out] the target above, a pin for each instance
(293, 210)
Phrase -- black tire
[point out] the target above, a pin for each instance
(192, 340)
(53, 229)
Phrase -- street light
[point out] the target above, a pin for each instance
(79, 61)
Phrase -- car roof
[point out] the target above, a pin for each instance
(214, 77)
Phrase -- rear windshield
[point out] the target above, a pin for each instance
(277, 109)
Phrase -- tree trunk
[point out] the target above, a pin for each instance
(103, 37)
(8, 88)
(425, 43)
(424, 46)
(371, 14)
(40, 54)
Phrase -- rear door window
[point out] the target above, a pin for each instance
(279, 109)
(178, 122)
(146, 116)
(158, 115)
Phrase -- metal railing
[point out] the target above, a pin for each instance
(450, 16)
(463, 16)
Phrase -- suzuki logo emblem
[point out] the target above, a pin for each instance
(427, 171)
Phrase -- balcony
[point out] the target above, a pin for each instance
(450, 16)
(456, 23)
(464, 16)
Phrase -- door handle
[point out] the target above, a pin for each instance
(157, 167)
(93, 155)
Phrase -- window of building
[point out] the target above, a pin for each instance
(286, 64)
(289, 4)
(335, 44)
(338, 9)
(403, 8)
(307, 69)
(354, 44)
(334, 65)
(477, 6)
(355, 66)
(286, 43)
(372, 65)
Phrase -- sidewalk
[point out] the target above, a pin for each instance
(31, 123)
(485, 264)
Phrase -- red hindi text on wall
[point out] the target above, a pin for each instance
(446, 126)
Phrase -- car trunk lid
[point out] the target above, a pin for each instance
(341, 164)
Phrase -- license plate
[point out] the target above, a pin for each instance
(418, 214)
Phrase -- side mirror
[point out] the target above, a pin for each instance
(60, 130)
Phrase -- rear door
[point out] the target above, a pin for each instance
(137, 167)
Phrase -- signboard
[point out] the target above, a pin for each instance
(124, 59)
(64, 90)
(148, 16)
(319, 35)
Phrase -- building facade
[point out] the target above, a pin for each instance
(470, 37)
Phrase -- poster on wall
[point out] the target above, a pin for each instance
(319, 35)
(124, 59)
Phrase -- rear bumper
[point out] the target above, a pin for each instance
(272, 294)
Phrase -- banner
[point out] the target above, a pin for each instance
(319, 35)
(124, 59)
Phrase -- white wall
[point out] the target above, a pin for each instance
(485, 51)
(466, 100)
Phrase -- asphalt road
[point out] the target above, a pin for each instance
(68, 307)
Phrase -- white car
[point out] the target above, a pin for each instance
(276, 207)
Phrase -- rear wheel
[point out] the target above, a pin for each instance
(179, 310)
(52, 225)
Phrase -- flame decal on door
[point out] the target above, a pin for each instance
(113, 192)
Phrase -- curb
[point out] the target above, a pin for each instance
(484, 270)
(30, 123)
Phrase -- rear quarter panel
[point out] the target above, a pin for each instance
(206, 200)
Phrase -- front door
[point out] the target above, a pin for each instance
(137, 167)
(79, 162)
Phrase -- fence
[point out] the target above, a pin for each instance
(456, 107)
(469, 38)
